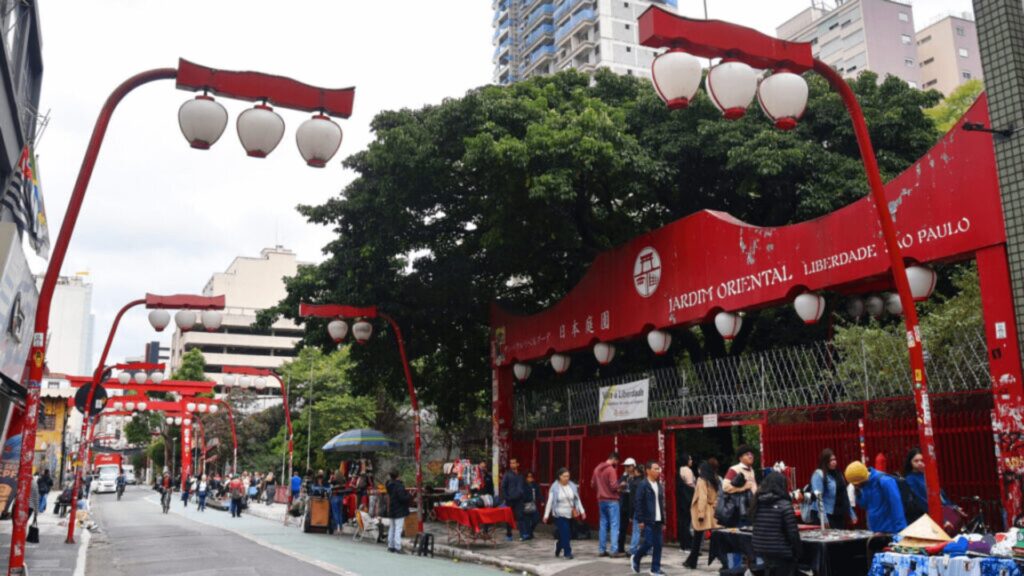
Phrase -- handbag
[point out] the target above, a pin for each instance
(33, 531)
(530, 507)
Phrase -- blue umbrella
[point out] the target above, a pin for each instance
(360, 440)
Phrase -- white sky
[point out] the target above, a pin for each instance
(161, 217)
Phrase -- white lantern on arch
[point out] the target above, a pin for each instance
(118, 406)
(604, 352)
(177, 420)
(211, 320)
(259, 383)
(190, 407)
(156, 377)
(875, 306)
(141, 377)
(229, 379)
(338, 329)
(318, 140)
(783, 98)
(202, 408)
(362, 330)
(676, 76)
(560, 362)
(202, 121)
(893, 304)
(245, 381)
(129, 406)
(809, 307)
(169, 420)
(142, 406)
(260, 130)
(522, 371)
(659, 341)
(728, 324)
(214, 408)
(187, 421)
(124, 377)
(731, 86)
(185, 319)
(855, 307)
(922, 281)
(159, 319)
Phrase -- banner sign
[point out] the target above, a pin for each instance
(945, 206)
(624, 401)
(9, 472)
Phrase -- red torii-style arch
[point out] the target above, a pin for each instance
(946, 207)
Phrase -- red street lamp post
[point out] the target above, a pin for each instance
(202, 125)
(783, 96)
(362, 330)
(240, 372)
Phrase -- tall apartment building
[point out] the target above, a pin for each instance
(948, 54)
(72, 323)
(536, 37)
(857, 35)
(248, 286)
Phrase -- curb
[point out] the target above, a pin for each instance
(461, 555)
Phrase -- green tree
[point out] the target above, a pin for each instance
(508, 193)
(193, 367)
(948, 112)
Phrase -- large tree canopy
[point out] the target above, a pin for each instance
(508, 194)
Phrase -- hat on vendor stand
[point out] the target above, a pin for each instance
(923, 533)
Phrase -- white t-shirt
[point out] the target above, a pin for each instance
(657, 508)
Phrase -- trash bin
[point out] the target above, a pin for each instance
(318, 515)
(412, 524)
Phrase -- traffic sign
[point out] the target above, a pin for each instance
(99, 399)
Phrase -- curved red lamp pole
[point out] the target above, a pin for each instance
(717, 39)
(343, 311)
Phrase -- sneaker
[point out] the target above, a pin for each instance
(508, 538)
(634, 564)
(602, 555)
(570, 557)
(619, 555)
(653, 573)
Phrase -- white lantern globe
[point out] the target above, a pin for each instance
(259, 383)
(187, 421)
(169, 420)
(202, 121)
(229, 379)
(855, 308)
(676, 76)
(604, 352)
(893, 305)
(185, 319)
(338, 329)
(140, 378)
(190, 407)
(522, 371)
(245, 381)
(560, 363)
(659, 341)
(212, 320)
(809, 307)
(318, 140)
(118, 406)
(875, 306)
(142, 406)
(922, 281)
(260, 130)
(129, 406)
(124, 378)
(361, 331)
(783, 98)
(177, 420)
(728, 324)
(731, 86)
(156, 377)
(202, 408)
(159, 319)
(214, 408)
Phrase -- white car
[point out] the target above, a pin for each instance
(105, 480)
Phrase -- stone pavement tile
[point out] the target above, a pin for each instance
(51, 556)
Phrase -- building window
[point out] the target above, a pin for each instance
(851, 69)
(629, 72)
(834, 26)
(53, 385)
(908, 62)
(962, 52)
(927, 62)
(965, 75)
(930, 83)
(904, 17)
(959, 30)
(629, 49)
(627, 26)
(905, 39)
(912, 84)
(814, 41)
(625, 4)
(927, 38)
(847, 23)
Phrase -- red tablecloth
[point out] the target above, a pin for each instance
(454, 514)
(475, 518)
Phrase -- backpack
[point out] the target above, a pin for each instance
(912, 507)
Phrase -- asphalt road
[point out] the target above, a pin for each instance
(137, 539)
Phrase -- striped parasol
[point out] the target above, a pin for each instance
(360, 440)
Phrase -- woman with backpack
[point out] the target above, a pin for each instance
(702, 509)
(236, 490)
(398, 508)
(915, 501)
(776, 536)
(564, 505)
(830, 495)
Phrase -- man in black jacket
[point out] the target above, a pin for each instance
(776, 536)
(625, 501)
(398, 509)
(650, 517)
(513, 488)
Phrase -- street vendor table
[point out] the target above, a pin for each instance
(826, 553)
(894, 564)
(473, 525)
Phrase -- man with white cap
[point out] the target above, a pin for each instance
(625, 500)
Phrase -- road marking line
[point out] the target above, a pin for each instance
(83, 548)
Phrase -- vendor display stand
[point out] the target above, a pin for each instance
(467, 527)
(824, 552)
(895, 564)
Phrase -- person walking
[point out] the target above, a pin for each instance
(296, 486)
(605, 482)
(685, 485)
(651, 517)
(702, 508)
(740, 486)
(626, 501)
(879, 496)
(830, 496)
(513, 490)
(531, 507)
(186, 490)
(236, 491)
(337, 520)
(202, 491)
(45, 485)
(564, 505)
(486, 481)
(398, 509)
(270, 492)
(639, 475)
(776, 536)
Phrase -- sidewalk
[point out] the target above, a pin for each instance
(533, 557)
(51, 556)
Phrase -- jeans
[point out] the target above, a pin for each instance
(202, 500)
(528, 524)
(563, 526)
(337, 516)
(270, 493)
(654, 536)
(625, 516)
(395, 533)
(236, 507)
(609, 523)
(42, 501)
(184, 497)
(634, 539)
(517, 513)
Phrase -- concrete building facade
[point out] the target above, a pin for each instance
(249, 285)
(857, 35)
(538, 37)
(948, 54)
(72, 325)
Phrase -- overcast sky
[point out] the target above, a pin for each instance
(161, 217)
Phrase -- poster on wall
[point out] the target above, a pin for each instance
(624, 401)
(9, 472)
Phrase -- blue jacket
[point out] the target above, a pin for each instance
(826, 486)
(880, 498)
(296, 483)
(513, 486)
(918, 487)
(645, 503)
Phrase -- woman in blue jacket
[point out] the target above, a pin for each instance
(879, 497)
(829, 489)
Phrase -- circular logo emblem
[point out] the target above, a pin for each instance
(647, 271)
